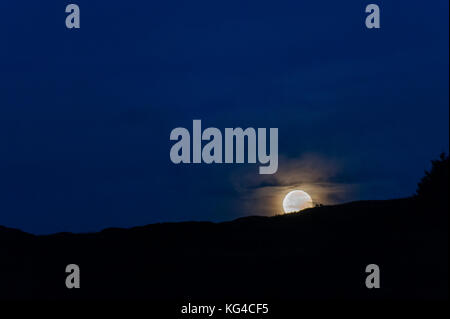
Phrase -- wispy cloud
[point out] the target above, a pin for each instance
(318, 176)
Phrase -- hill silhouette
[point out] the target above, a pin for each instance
(318, 253)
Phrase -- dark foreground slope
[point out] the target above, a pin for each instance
(318, 253)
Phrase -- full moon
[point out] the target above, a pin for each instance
(296, 201)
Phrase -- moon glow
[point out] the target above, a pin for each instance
(296, 200)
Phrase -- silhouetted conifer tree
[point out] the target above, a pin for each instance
(433, 187)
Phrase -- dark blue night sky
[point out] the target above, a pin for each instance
(85, 115)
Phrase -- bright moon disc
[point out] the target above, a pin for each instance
(296, 201)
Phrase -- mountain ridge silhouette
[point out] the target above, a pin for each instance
(319, 252)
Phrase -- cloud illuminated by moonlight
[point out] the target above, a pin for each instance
(263, 194)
